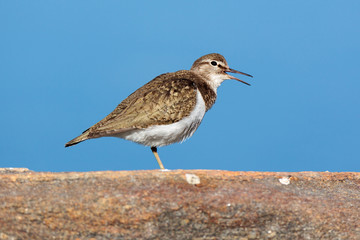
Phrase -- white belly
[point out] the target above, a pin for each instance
(161, 135)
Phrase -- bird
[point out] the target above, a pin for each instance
(168, 109)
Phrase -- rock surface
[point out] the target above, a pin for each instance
(179, 204)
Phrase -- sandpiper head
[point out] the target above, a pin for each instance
(215, 68)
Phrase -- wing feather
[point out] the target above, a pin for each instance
(164, 100)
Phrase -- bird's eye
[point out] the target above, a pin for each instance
(213, 63)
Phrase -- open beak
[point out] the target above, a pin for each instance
(236, 71)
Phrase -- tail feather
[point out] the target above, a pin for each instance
(78, 139)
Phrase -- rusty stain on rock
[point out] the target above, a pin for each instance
(163, 205)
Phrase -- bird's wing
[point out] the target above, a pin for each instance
(164, 100)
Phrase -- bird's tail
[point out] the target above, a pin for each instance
(78, 139)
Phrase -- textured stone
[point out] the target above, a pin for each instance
(179, 204)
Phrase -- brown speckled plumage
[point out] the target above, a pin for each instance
(166, 99)
(167, 109)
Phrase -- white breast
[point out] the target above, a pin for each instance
(161, 135)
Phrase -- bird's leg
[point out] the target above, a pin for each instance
(154, 150)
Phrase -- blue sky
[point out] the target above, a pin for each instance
(64, 65)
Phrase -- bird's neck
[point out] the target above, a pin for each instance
(207, 89)
(214, 81)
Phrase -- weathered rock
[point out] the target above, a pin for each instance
(179, 204)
